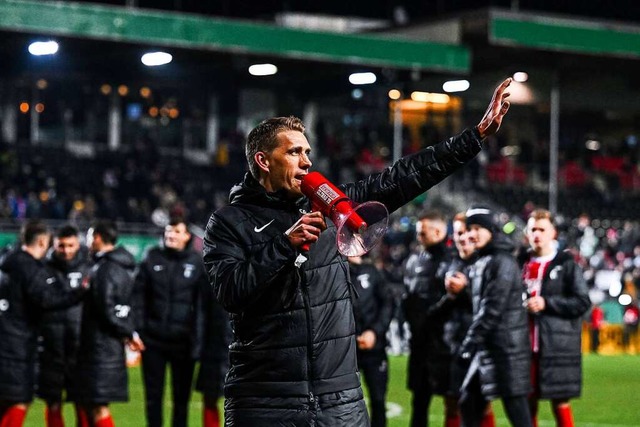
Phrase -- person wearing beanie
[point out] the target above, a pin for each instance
(495, 350)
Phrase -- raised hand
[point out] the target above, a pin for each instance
(498, 107)
(307, 229)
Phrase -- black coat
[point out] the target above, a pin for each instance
(26, 289)
(167, 287)
(499, 332)
(60, 329)
(106, 323)
(424, 278)
(373, 305)
(566, 299)
(294, 331)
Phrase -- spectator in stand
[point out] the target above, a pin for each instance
(214, 354)
(26, 289)
(168, 285)
(106, 326)
(496, 348)
(557, 299)
(595, 325)
(459, 308)
(429, 359)
(60, 329)
(372, 311)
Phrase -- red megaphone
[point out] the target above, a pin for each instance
(365, 223)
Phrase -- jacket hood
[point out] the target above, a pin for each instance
(500, 242)
(250, 191)
(119, 255)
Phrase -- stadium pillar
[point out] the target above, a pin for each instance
(115, 122)
(213, 124)
(554, 140)
(397, 131)
(34, 130)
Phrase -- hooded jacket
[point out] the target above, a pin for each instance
(294, 330)
(566, 299)
(106, 323)
(499, 332)
(26, 288)
(168, 283)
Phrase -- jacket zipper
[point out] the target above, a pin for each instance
(307, 309)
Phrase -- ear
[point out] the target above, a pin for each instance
(262, 161)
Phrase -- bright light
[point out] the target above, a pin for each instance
(24, 107)
(357, 94)
(42, 84)
(43, 48)
(263, 69)
(105, 89)
(625, 299)
(154, 59)
(394, 94)
(436, 98)
(145, 92)
(520, 77)
(362, 78)
(123, 90)
(592, 145)
(455, 86)
(39, 107)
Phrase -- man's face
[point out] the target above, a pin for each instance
(540, 233)
(479, 236)
(66, 248)
(287, 164)
(430, 232)
(176, 236)
(461, 239)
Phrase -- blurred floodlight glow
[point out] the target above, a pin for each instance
(625, 299)
(520, 77)
(592, 145)
(455, 86)
(436, 98)
(394, 94)
(43, 48)
(154, 59)
(362, 78)
(357, 94)
(263, 69)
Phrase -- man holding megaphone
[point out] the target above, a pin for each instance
(274, 264)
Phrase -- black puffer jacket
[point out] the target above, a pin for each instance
(499, 333)
(60, 329)
(106, 323)
(294, 331)
(424, 278)
(167, 289)
(26, 289)
(373, 305)
(566, 299)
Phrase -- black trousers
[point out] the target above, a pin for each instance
(473, 405)
(154, 367)
(375, 368)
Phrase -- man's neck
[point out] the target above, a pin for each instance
(33, 251)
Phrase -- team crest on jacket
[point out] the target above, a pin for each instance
(188, 270)
(364, 280)
(553, 275)
(74, 279)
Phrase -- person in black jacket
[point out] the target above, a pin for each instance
(293, 355)
(214, 355)
(373, 307)
(26, 289)
(558, 297)
(496, 346)
(459, 314)
(168, 283)
(106, 327)
(429, 358)
(60, 329)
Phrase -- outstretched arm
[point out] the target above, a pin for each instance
(498, 107)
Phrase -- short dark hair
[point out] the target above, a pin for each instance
(264, 138)
(31, 230)
(107, 230)
(177, 219)
(66, 231)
